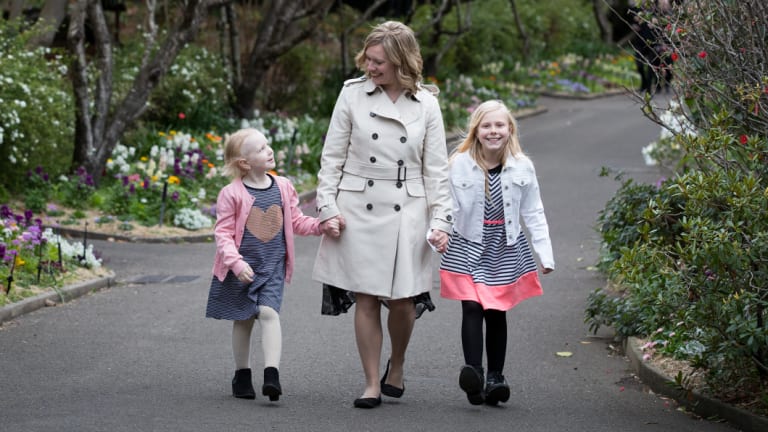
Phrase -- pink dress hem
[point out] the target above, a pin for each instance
(459, 286)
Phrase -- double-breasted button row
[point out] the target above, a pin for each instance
(369, 206)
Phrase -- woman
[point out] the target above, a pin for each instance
(384, 174)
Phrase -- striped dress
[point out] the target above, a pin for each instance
(263, 248)
(493, 274)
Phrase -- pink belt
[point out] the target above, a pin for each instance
(493, 222)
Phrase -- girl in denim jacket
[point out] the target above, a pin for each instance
(488, 264)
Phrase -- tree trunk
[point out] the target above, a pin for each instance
(98, 130)
(346, 68)
(16, 7)
(603, 24)
(433, 57)
(51, 17)
(524, 38)
(285, 25)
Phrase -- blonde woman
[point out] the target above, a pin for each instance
(384, 171)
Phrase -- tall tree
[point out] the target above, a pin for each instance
(524, 38)
(601, 10)
(14, 8)
(100, 121)
(51, 17)
(284, 25)
(437, 31)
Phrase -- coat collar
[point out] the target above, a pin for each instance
(370, 88)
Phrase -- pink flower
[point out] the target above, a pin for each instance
(182, 116)
(743, 139)
(674, 56)
(703, 54)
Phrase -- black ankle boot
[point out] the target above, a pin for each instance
(242, 385)
(471, 381)
(496, 388)
(271, 385)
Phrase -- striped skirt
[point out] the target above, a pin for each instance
(493, 274)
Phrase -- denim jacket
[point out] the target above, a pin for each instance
(522, 203)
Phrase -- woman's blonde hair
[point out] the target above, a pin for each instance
(232, 154)
(402, 50)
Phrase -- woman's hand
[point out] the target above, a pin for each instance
(333, 226)
(546, 270)
(438, 239)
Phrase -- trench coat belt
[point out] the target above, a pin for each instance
(373, 171)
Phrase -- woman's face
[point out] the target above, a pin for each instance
(493, 132)
(379, 68)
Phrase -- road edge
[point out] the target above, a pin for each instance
(696, 402)
(65, 294)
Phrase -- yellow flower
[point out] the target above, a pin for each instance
(161, 133)
(154, 178)
(144, 158)
(174, 180)
(172, 133)
(19, 261)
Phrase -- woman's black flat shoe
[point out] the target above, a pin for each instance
(367, 403)
(389, 389)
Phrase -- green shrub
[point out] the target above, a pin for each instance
(696, 271)
(194, 95)
(36, 109)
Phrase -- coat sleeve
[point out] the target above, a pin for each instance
(532, 214)
(333, 157)
(435, 169)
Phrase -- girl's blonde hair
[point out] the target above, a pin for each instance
(402, 50)
(232, 146)
(472, 144)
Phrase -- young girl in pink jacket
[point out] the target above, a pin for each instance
(257, 215)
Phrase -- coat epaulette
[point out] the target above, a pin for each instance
(357, 80)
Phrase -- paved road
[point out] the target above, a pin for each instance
(141, 357)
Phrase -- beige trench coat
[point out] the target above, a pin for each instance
(385, 169)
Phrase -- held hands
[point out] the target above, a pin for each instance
(333, 226)
(246, 275)
(546, 270)
(438, 239)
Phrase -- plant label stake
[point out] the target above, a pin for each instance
(58, 243)
(10, 275)
(81, 258)
(39, 260)
(162, 202)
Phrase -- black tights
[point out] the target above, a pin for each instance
(472, 335)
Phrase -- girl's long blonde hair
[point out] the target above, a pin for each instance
(472, 144)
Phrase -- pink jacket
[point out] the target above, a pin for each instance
(232, 207)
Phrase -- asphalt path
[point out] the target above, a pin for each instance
(140, 356)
